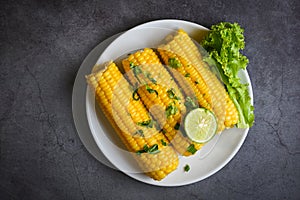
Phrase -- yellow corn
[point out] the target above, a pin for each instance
(160, 94)
(187, 73)
(126, 113)
(232, 116)
(209, 91)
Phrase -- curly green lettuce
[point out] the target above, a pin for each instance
(223, 44)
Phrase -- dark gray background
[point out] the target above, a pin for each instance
(42, 47)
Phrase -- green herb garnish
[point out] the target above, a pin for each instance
(148, 75)
(150, 90)
(190, 103)
(174, 63)
(196, 82)
(152, 150)
(136, 69)
(135, 95)
(131, 65)
(144, 150)
(187, 168)
(171, 93)
(191, 149)
(171, 110)
(163, 142)
(148, 123)
(163, 131)
(187, 75)
(176, 127)
(139, 132)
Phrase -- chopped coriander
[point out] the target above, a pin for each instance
(174, 63)
(177, 98)
(148, 75)
(144, 150)
(163, 142)
(171, 93)
(136, 69)
(190, 103)
(153, 80)
(191, 149)
(135, 95)
(139, 132)
(148, 124)
(163, 131)
(177, 125)
(150, 90)
(171, 110)
(187, 168)
(131, 65)
(196, 82)
(187, 75)
(152, 150)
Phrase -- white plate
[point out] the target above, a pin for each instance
(149, 35)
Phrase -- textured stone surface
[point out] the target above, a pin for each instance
(42, 46)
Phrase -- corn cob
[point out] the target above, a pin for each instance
(214, 97)
(126, 113)
(232, 116)
(187, 71)
(158, 90)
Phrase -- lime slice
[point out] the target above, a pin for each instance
(200, 125)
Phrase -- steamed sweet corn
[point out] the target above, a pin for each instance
(130, 119)
(209, 91)
(148, 113)
(161, 95)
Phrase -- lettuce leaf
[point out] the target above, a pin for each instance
(223, 44)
